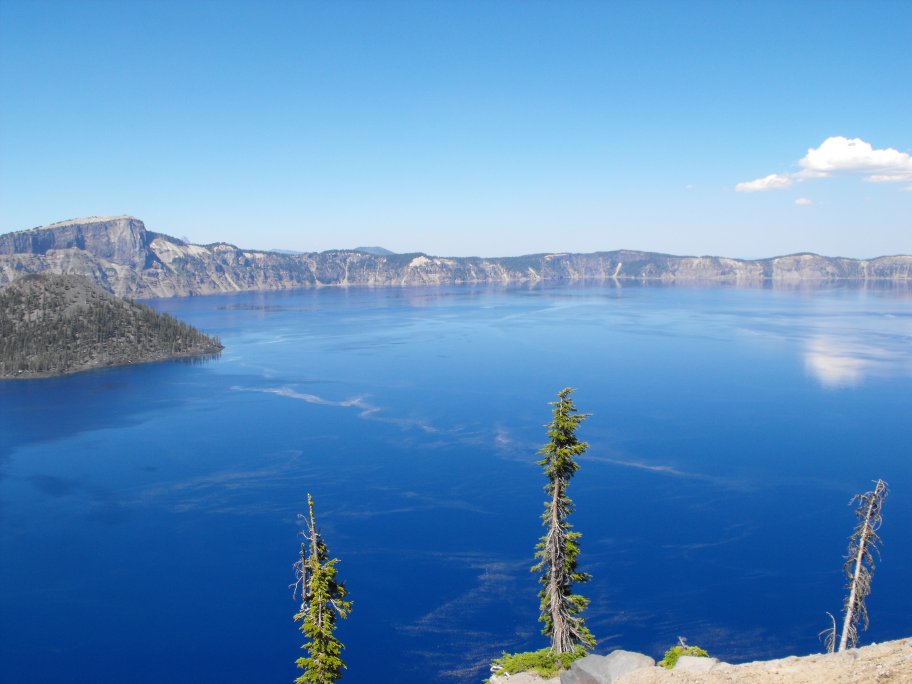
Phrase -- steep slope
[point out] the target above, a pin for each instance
(57, 324)
(120, 255)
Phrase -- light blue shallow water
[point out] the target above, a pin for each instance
(147, 514)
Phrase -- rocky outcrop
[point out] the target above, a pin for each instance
(695, 664)
(120, 255)
(121, 239)
(598, 669)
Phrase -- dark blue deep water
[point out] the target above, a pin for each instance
(148, 514)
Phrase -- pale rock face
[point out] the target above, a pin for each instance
(523, 678)
(695, 664)
(120, 255)
(598, 669)
(119, 238)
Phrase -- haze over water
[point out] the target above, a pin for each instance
(148, 514)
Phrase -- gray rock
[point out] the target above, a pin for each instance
(523, 678)
(596, 669)
(695, 664)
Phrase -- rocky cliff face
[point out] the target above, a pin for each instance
(123, 257)
(121, 239)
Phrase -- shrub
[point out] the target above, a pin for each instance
(545, 662)
(675, 652)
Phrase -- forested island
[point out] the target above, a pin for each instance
(59, 324)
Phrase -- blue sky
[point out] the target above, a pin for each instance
(466, 128)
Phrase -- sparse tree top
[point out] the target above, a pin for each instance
(323, 598)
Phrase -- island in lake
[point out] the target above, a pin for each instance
(57, 324)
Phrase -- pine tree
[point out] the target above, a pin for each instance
(859, 565)
(559, 547)
(322, 599)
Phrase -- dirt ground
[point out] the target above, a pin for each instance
(886, 663)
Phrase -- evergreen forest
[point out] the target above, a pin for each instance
(57, 324)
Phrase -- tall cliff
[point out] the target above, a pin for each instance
(123, 257)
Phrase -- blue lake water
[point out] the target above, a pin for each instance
(148, 514)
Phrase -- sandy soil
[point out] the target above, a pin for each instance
(886, 663)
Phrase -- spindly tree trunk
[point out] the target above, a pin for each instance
(859, 565)
(322, 599)
(558, 549)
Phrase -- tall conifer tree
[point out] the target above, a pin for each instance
(322, 599)
(559, 547)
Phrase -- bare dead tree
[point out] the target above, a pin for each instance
(829, 635)
(859, 565)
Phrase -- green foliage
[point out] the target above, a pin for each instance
(675, 652)
(545, 662)
(558, 549)
(322, 599)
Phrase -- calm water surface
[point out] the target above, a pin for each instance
(148, 514)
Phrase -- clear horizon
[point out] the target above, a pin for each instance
(745, 130)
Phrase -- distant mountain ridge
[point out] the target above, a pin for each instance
(378, 251)
(120, 255)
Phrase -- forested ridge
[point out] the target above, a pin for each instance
(57, 324)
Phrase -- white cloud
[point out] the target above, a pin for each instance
(841, 155)
(774, 181)
(804, 202)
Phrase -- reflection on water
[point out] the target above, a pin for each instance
(199, 359)
(839, 363)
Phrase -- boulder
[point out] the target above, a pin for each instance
(596, 669)
(695, 664)
(522, 678)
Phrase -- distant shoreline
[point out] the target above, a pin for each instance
(120, 255)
